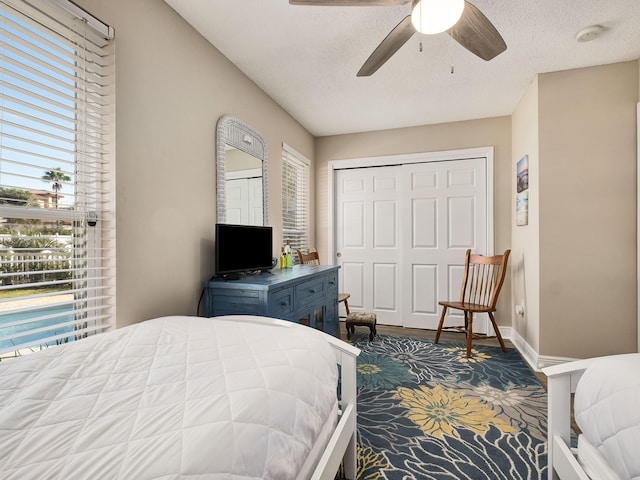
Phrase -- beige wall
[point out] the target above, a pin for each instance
(172, 86)
(525, 255)
(587, 136)
(575, 263)
(494, 132)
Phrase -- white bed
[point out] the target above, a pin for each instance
(606, 397)
(236, 397)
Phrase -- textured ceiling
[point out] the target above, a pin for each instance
(306, 58)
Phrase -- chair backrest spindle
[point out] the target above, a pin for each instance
(484, 277)
(311, 258)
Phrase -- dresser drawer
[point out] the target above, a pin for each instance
(332, 283)
(281, 303)
(309, 292)
(240, 302)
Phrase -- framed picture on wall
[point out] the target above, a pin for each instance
(522, 189)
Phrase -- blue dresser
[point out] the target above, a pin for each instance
(306, 294)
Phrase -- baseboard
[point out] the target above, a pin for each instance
(535, 361)
(526, 350)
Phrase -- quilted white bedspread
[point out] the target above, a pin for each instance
(171, 398)
(606, 410)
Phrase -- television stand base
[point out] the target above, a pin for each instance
(230, 276)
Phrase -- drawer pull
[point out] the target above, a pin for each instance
(312, 290)
(284, 304)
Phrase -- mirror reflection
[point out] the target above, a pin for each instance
(241, 170)
(243, 175)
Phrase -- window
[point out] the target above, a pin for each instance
(295, 199)
(57, 239)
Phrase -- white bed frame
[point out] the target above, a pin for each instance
(342, 444)
(562, 381)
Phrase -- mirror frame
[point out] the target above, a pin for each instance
(234, 132)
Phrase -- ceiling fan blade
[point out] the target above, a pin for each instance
(390, 45)
(477, 34)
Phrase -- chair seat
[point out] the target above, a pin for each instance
(470, 307)
(343, 296)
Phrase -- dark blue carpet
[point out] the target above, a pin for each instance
(427, 412)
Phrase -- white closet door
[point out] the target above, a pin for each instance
(444, 212)
(401, 234)
(244, 201)
(236, 191)
(254, 188)
(368, 240)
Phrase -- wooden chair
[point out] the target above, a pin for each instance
(483, 278)
(312, 258)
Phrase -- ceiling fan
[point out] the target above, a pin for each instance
(466, 24)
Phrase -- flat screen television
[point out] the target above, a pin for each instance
(242, 249)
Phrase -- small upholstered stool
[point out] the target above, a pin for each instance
(362, 319)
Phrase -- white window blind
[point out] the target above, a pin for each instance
(57, 238)
(295, 199)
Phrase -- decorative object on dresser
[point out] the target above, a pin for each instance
(313, 258)
(306, 294)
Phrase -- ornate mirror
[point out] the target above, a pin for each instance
(241, 173)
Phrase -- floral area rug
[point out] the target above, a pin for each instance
(425, 411)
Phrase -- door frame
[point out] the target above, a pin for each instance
(400, 159)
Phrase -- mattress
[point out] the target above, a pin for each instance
(605, 404)
(593, 461)
(170, 398)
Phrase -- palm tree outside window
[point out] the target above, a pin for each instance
(56, 176)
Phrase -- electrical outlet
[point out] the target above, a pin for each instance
(519, 310)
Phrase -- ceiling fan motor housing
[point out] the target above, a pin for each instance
(435, 16)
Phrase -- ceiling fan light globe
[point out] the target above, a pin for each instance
(435, 16)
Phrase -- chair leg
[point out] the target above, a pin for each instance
(497, 330)
(469, 329)
(351, 329)
(444, 311)
(346, 306)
